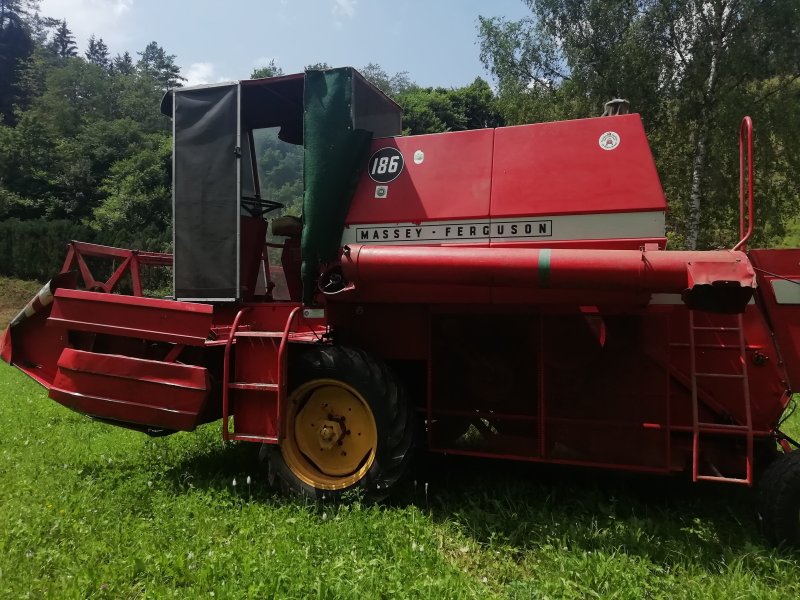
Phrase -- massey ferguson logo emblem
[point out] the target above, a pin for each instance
(385, 165)
(609, 140)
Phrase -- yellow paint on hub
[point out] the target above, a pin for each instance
(331, 436)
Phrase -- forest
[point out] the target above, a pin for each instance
(85, 153)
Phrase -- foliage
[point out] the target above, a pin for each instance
(16, 46)
(97, 52)
(122, 64)
(433, 110)
(691, 68)
(269, 70)
(155, 62)
(63, 42)
(138, 188)
(90, 510)
(391, 85)
(36, 249)
(281, 170)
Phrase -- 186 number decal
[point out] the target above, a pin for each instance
(385, 165)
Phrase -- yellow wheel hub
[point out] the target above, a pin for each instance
(331, 436)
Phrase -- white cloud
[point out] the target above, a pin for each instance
(104, 18)
(202, 72)
(346, 8)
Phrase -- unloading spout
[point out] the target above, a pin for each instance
(717, 281)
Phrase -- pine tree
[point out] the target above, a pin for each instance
(13, 12)
(16, 46)
(158, 64)
(122, 64)
(97, 52)
(63, 42)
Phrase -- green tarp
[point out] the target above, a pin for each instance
(335, 153)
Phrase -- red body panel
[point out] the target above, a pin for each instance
(131, 390)
(534, 184)
(452, 181)
(131, 316)
(561, 168)
(779, 293)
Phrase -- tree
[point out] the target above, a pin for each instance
(692, 67)
(270, 70)
(16, 11)
(122, 64)
(97, 52)
(161, 66)
(16, 46)
(433, 110)
(63, 42)
(391, 85)
(138, 188)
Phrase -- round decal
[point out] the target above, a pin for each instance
(419, 156)
(609, 140)
(385, 165)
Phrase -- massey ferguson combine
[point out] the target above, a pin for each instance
(501, 293)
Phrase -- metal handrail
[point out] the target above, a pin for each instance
(745, 129)
(283, 369)
(226, 374)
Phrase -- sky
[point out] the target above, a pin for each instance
(435, 41)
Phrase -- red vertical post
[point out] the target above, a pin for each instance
(541, 388)
(695, 416)
(745, 162)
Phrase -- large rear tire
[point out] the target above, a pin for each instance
(779, 500)
(348, 426)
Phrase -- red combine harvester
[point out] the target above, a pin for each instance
(508, 288)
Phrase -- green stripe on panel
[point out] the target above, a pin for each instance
(544, 268)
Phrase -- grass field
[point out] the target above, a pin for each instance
(92, 511)
(89, 510)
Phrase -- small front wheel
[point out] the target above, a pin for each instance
(348, 426)
(779, 500)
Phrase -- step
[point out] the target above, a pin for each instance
(716, 328)
(243, 437)
(736, 347)
(721, 375)
(259, 334)
(721, 427)
(723, 479)
(261, 387)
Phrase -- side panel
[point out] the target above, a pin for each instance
(778, 274)
(132, 317)
(131, 390)
(444, 176)
(206, 193)
(548, 183)
(600, 165)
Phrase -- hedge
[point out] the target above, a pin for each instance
(36, 249)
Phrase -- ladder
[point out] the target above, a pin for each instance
(700, 427)
(256, 390)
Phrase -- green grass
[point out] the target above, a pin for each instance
(92, 511)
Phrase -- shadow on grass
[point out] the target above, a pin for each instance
(523, 507)
(215, 468)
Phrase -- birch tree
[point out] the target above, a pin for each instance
(690, 67)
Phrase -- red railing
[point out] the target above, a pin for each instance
(745, 160)
(132, 260)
